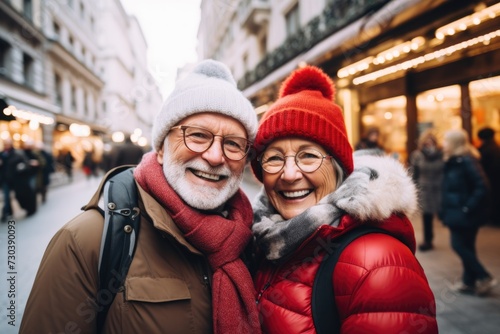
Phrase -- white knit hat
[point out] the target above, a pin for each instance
(210, 87)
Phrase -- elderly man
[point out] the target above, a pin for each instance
(187, 275)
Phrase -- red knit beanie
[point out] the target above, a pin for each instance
(306, 109)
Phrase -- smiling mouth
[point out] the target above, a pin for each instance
(295, 194)
(208, 176)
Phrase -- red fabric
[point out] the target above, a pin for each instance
(379, 285)
(306, 109)
(221, 239)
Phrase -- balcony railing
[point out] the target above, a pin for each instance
(336, 15)
(253, 13)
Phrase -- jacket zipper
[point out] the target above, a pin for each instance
(267, 285)
(261, 292)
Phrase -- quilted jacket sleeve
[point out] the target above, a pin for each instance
(380, 287)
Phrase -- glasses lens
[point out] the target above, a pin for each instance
(272, 161)
(196, 139)
(235, 148)
(309, 160)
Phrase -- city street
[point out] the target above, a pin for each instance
(458, 314)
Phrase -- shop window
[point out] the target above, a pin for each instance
(58, 89)
(389, 117)
(262, 46)
(439, 109)
(4, 58)
(28, 9)
(485, 101)
(82, 11)
(28, 70)
(84, 106)
(56, 30)
(292, 21)
(73, 99)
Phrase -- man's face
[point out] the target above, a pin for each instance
(203, 180)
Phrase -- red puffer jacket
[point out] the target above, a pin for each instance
(379, 285)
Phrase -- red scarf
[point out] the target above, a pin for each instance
(222, 240)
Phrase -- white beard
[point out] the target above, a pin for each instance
(199, 196)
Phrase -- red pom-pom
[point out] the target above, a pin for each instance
(308, 78)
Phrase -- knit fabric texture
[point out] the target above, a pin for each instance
(306, 109)
(210, 87)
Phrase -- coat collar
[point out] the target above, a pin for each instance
(162, 220)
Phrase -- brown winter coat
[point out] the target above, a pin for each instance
(165, 290)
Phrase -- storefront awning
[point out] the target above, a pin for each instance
(357, 33)
(64, 119)
(23, 110)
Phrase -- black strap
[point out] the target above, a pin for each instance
(121, 228)
(325, 314)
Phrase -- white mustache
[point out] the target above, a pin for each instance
(205, 168)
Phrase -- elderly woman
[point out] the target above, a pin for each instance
(427, 171)
(314, 194)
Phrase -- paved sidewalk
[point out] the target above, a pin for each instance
(458, 313)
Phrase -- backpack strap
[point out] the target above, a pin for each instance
(325, 314)
(120, 232)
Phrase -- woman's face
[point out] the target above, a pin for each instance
(291, 191)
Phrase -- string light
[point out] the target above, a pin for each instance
(27, 115)
(412, 63)
(466, 22)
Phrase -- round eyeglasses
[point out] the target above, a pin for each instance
(199, 140)
(308, 160)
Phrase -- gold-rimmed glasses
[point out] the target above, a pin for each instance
(199, 140)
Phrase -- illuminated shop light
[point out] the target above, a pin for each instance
(34, 124)
(413, 63)
(399, 50)
(27, 115)
(118, 137)
(464, 23)
(143, 141)
(390, 54)
(79, 130)
(5, 135)
(355, 68)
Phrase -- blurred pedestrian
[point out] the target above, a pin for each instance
(426, 164)
(126, 153)
(28, 199)
(66, 159)
(47, 170)
(17, 173)
(464, 208)
(370, 144)
(490, 161)
(10, 158)
(89, 164)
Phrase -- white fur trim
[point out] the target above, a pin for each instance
(390, 191)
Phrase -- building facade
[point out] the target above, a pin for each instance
(25, 109)
(402, 66)
(74, 72)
